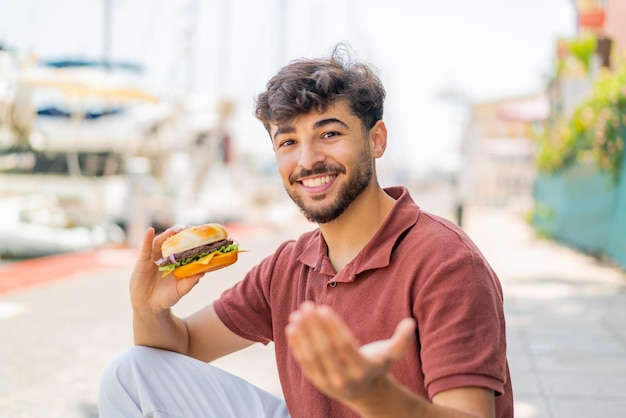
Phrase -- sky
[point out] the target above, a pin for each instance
(215, 49)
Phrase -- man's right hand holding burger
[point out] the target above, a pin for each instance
(154, 292)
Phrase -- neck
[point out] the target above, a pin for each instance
(347, 235)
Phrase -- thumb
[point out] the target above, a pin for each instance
(144, 262)
(404, 335)
(394, 348)
(145, 251)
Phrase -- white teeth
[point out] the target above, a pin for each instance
(317, 182)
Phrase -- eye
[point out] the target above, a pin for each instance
(330, 134)
(285, 143)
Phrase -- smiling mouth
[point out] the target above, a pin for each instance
(318, 181)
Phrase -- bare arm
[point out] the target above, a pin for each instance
(202, 335)
(391, 399)
(358, 376)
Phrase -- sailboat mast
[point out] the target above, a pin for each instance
(107, 34)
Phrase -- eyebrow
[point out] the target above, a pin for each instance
(328, 121)
(320, 123)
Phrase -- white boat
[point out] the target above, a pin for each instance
(111, 154)
(34, 225)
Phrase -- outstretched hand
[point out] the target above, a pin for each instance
(332, 359)
(149, 288)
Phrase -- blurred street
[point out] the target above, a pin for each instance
(566, 321)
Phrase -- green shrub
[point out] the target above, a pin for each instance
(595, 132)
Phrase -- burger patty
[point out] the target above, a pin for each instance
(207, 248)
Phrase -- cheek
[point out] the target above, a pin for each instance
(285, 166)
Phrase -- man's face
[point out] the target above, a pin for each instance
(324, 160)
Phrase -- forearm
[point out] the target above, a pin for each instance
(160, 330)
(389, 398)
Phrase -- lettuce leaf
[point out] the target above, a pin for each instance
(202, 257)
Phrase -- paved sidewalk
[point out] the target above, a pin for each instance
(566, 316)
(566, 321)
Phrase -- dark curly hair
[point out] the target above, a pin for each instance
(306, 85)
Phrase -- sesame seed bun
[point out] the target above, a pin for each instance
(193, 237)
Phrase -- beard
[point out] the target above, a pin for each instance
(356, 184)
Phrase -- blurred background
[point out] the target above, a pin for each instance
(504, 116)
(114, 114)
(118, 114)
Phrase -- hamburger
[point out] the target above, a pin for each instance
(197, 249)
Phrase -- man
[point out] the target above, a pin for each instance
(383, 311)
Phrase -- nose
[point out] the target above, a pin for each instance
(310, 154)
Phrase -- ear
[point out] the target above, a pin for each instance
(378, 138)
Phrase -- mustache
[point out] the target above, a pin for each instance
(317, 169)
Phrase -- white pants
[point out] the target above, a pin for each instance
(152, 383)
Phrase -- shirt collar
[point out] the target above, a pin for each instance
(377, 252)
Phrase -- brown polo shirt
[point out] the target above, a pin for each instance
(417, 265)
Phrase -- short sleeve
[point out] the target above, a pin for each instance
(461, 325)
(245, 308)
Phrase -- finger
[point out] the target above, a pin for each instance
(299, 339)
(304, 345)
(312, 314)
(343, 347)
(336, 327)
(145, 252)
(324, 347)
(158, 241)
(184, 286)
